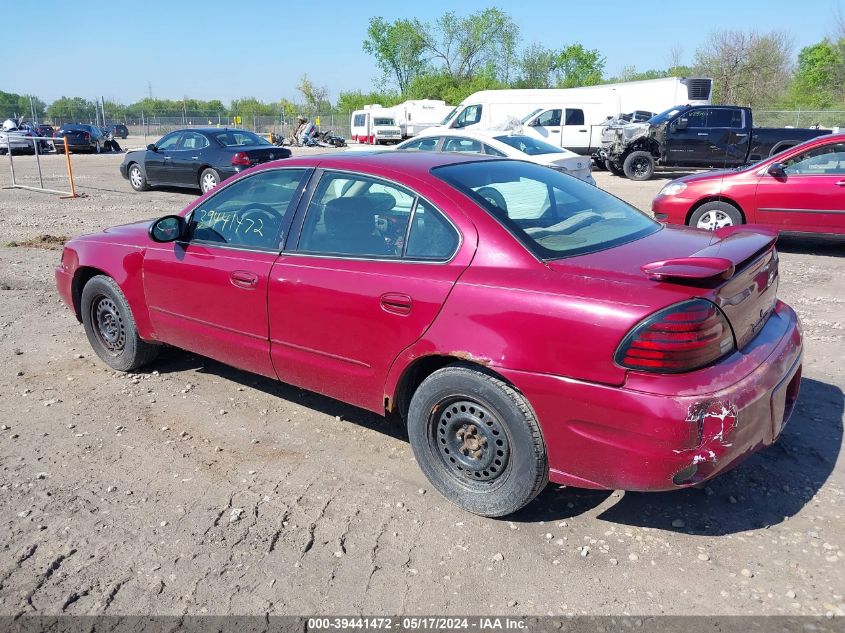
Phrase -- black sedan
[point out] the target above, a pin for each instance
(80, 138)
(198, 157)
(118, 130)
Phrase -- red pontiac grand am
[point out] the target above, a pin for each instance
(800, 190)
(526, 325)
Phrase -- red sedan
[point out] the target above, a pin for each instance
(800, 190)
(526, 325)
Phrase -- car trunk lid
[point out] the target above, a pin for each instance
(736, 268)
(262, 153)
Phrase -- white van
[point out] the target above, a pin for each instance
(414, 116)
(572, 117)
(375, 125)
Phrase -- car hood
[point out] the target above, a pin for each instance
(132, 234)
(709, 176)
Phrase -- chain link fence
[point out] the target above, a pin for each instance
(800, 118)
(153, 127)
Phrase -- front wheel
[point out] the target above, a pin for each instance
(715, 215)
(638, 166)
(209, 179)
(110, 326)
(477, 441)
(137, 179)
(613, 168)
(600, 164)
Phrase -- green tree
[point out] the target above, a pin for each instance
(481, 44)
(818, 77)
(578, 66)
(748, 68)
(398, 49)
(71, 109)
(536, 67)
(316, 97)
(350, 101)
(442, 85)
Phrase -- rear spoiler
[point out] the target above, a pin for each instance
(730, 247)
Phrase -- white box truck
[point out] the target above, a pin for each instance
(416, 115)
(374, 125)
(574, 117)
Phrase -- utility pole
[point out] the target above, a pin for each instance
(32, 109)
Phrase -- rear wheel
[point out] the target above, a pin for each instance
(110, 326)
(715, 215)
(638, 166)
(137, 179)
(209, 179)
(477, 441)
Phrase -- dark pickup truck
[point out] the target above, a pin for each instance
(695, 137)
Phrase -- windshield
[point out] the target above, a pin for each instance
(529, 115)
(552, 214)
(383, 122)
(529, 145)
(665, 115)
(449, 116)
(234, 138)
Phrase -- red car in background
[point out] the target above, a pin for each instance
(800, 190)
(525, 325)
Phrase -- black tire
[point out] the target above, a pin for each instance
(137, 177)
(110, 326)
(477, 441)
(614, 169)
(716, 215)
(207, 177)
(638, 166)
(599, 163)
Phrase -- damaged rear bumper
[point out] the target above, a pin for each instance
(663, 432)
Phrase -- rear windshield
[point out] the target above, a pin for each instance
(530, 146)
(233, 138)
(552, 214)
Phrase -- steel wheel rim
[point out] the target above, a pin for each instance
(208, 182)
(715, 219)
(135, 177)
(470, 440)
(108, 325)
(640, 166)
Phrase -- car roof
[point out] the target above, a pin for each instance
(411, 163)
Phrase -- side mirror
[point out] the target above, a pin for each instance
(152, 147)
(681, 124)
(776, 170)
(167, 229)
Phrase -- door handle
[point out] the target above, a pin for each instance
(167, 158)
(704, 134)
(194, 157)
(244, 279)
(554, 129)
(582, 130)
(743, 134)
(840, 183)
(396, 303)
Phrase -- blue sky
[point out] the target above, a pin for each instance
(230, 49)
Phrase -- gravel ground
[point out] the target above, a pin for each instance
(194, 488)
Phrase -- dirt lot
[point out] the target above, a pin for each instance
(196, 488)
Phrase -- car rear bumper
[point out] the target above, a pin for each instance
(668, 432)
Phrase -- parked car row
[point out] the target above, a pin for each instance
(81, 137)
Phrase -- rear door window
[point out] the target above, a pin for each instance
(574, 116)
(465, 145)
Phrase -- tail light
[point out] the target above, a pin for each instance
(240, 158)
(680, 338)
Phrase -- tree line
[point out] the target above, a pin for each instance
(456, 55)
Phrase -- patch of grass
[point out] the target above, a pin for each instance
(51, 242)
